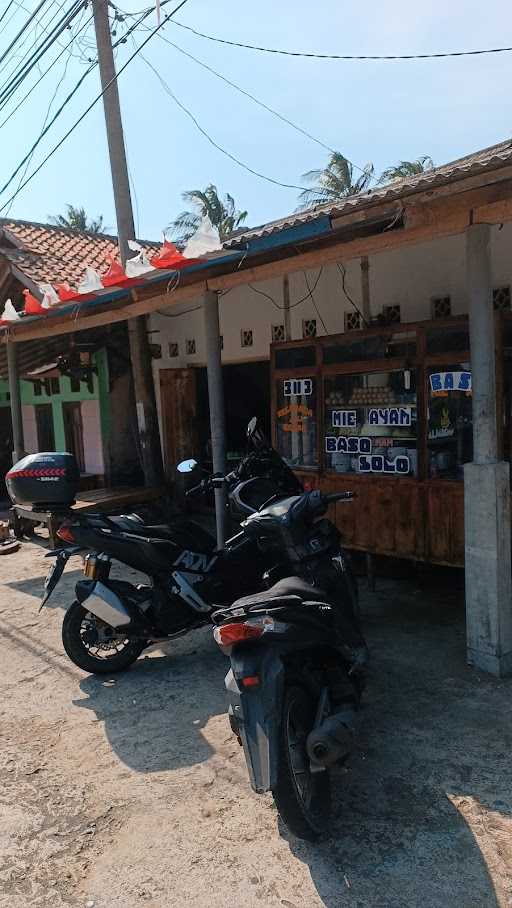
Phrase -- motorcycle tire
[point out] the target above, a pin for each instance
(78, 652)
(302, 798)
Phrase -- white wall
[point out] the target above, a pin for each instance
(93, 449)
(410, 276)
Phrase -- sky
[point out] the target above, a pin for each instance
(370, 111)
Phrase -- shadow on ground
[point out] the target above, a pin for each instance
(179, 693)
(432, 766)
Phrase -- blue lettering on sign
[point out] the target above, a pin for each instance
(344, 419)
(390, 416)
(351, 444)
(450, 381)
(377, 463)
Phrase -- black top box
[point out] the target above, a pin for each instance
(44, 481)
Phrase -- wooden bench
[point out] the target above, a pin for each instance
(95, 500)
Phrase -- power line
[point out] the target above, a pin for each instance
(215, 144)
(6, 10)
(92, 104)
(308, 295)
(19, 34)
(248, 94)
(316, 56)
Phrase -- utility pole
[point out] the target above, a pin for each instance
(145, 401)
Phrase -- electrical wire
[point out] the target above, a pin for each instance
(248, 94)
(93, 103)
(20, 33)
(212, 141)
(297, 302)
(6, 10)
(317, 310)
(316, 56)
(52, 64)
(343, 273)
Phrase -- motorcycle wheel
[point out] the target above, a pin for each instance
(94, 646)
(302, 798)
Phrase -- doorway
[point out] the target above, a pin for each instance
(74, 432)
(44, 427)
(6, 446)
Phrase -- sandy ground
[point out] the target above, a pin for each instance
(132, 792)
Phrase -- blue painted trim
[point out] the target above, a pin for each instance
(290, 235)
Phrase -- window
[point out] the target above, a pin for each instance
(370, 423)
(246, 338)
(296, 420)
(55, 385)
(278, 334)
(174, 350)
(74, 433)
(501, 298)
(353, 321)
(391, 314)
(190, 346)
(441, 307)
(38, 389)
(295, 358)
(450, 427)
(309, 327)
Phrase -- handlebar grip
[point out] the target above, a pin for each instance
(339, 496)
(195, 490)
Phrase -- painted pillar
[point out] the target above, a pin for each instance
(15, 398)
(216, 401)
(486, 482)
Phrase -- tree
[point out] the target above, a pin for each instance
(336, 181)
(76, 219)
(223, 213)
(407, 169)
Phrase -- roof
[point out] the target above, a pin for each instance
(46, 253)
(491, 158)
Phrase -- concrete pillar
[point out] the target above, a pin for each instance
(216, 401)
(15, 398)
(486, 482)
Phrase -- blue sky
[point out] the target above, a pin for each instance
(377, 112)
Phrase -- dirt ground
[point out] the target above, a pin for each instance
(128, 792)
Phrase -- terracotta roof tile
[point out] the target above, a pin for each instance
(47, 253)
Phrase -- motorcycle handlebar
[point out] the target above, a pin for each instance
(338, 496)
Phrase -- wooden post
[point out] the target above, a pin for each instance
(365, 288)
(286, 308)
(216, 401)
(15, 398)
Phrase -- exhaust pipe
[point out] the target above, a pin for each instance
(332, 740)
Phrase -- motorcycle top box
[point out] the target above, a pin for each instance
(43, 481)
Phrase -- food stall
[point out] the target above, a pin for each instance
(387, 413)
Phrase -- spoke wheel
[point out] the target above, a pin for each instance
(303, 798)
(95, 646)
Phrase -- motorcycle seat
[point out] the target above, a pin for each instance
(292, 588)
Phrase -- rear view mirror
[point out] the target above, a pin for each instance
(252, 426)
(187, 466)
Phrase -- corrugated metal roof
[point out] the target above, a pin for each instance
(491, 158)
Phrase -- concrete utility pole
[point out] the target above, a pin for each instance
(15, 399)
(486, 481)
(216, 399)
(147, 418)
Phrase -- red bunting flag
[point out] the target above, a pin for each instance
(32, 305)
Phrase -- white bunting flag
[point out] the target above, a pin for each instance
(91, 282)
(50, 297)
(9, 314)
(205, 239)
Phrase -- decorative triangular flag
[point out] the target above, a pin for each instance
(205, 239)
(139, 264)
(9, 314)
(50, 297)
(65, 292)
(32, 305)
(91, 281)
(168, 256)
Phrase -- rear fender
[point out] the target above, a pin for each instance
(255, 712)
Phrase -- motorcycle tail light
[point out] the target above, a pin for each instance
(65, 533)
(230, 634)
(251, 681)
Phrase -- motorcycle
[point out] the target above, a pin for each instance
(111, 621)
(298, 662)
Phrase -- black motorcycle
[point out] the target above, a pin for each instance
(297, 662)
(112, 621)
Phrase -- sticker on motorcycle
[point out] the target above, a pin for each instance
(195, 561)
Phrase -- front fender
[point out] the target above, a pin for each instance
(256, 711)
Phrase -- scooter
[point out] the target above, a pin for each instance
(298, 662)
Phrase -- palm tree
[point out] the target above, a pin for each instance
(76, 219)
(407, 169)
(336, 181)
(223, 213)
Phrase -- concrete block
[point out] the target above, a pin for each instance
(488, 567)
